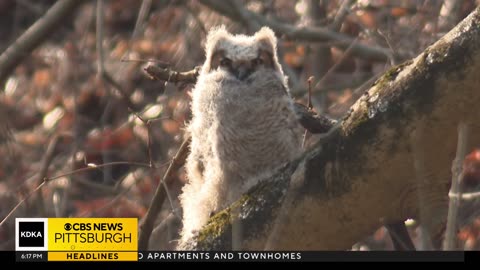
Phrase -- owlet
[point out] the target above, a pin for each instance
(243, 124)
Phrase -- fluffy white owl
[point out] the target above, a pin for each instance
(243, 124)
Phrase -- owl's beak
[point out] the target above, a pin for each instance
(242, 71)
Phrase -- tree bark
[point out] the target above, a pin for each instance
(389, 159)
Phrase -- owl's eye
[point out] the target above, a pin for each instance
(225, 62)
(257, 61)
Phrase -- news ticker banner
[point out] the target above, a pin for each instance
(76, 239)
(269, 256)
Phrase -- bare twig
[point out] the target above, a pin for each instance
(123, 93)
(336, 65)
(393, 61)
(113, 201)
(309, 106)
(101, 71)
(35, 35)
(319, 55)
(148, 124)
(46, 161)
(142, 15)
(457, 175)
(98, 166)
(49, 179)
(21, 202)
(197, 19)
(99, 44)
(146, 225)
(313, 34)
(465, 196)
(449, 14)
(358, 92)
(166, 74)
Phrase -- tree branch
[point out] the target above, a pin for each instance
(34, 36)
(165, 74)
(313, 34)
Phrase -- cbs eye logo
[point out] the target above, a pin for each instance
(31, 234)
(77, 226)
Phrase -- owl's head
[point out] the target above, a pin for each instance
(241, 55)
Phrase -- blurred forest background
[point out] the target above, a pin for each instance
(85, 133)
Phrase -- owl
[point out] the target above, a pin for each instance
(243, 125)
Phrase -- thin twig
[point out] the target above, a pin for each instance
(146, 225)
(465, 196)
(46, 161)
(99, 44)
(142, 15)
(21, 202)
(393, 61)
(148, 124)
(106, 76)
(309, 106)
(457, 175)
(140, 60)
(95, 167)
(115, 199)
(197, 19)
(47, 180)
(336, 65)
(101, 71)
(358, 92)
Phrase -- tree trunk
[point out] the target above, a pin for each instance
(389, 159)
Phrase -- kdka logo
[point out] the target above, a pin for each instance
(31, 234)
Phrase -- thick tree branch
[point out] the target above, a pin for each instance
(35, 35)
(313, 34)
(364, 174)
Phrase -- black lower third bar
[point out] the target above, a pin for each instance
(31, 256)
(308, 256)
